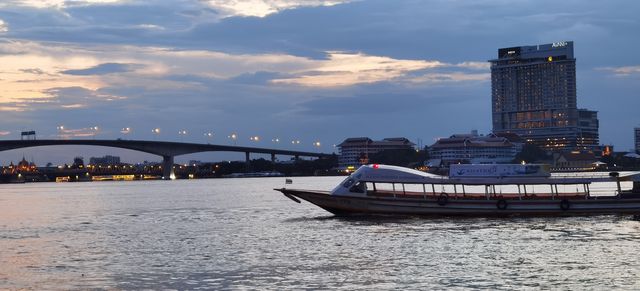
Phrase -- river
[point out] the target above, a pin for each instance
(240, 234)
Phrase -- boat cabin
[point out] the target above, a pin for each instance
(516, 181)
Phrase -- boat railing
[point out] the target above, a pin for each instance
(592, 175)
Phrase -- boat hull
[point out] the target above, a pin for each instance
(349, 205)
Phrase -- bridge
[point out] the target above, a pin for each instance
(167, 150)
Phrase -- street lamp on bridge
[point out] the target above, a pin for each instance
(94, 130)
(182, 133)
(156, 132)
(233, 137)
(208, 135)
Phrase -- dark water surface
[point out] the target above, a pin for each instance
(240, 234)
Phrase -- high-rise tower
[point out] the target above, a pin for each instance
(637, 139)
(533, 91)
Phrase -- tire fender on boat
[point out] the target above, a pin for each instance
(501, 204)
(565, 204)
(443, 199)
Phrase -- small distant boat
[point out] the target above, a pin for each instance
(477, 190)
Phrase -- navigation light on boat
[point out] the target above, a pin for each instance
(375, 166)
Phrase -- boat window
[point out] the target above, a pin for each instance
(358, 188)
(414, 188)
(386, 187)
(348, 183)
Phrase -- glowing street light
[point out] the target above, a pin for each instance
(275, 140)
(60, 129)
(94, 130)
(156, 132)
(125, 130)
(316, 144)
(295, 141)
(254, 138)
(233, 137)
(208, 135)
(182, 133)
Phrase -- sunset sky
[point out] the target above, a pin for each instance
(305, 70)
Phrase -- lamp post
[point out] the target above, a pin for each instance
(208, 136)
(95, 131)
(182, 133)
(60, 129)
(233, 137)
(156, 132)
(125, 130)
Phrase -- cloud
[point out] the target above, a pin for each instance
(264, 63)
(3, 26)
(484, 66)
(451, 77)
(67, 133)
(346, 69)
(262, 8)
(60, 4)
(103, 69)
(34, 71)
(623, 71)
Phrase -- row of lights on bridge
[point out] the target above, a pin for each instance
(233, 136)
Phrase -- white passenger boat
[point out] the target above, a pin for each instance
(477, 190)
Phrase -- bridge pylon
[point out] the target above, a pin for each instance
(167, 168)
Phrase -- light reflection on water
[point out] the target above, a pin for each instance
(240, 234)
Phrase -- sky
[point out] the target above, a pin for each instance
(305, 70)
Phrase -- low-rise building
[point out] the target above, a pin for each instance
(355, 151)
(574, 161)
(476, 149)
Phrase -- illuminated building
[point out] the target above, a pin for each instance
(475, 149)
(355, 151)
(22, 167)
(533, 91)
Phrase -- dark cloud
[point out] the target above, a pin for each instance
(103, 69)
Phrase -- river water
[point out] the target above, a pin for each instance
(239, 234)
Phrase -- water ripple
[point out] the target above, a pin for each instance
(231, 234)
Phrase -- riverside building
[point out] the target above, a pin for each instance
(355, 151)
(533, 94)
(475, 149)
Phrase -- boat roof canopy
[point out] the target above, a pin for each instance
(377, 173)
